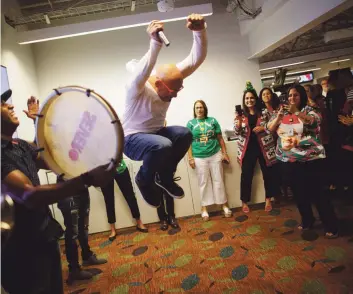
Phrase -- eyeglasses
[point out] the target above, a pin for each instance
(170, 90)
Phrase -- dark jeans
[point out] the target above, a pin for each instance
(75, 211)
(272, 185)
(35, 270)
(166, 209)
(160, 152)
(306, 184)
(123, 180)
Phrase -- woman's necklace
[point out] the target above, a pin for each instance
(203, 129)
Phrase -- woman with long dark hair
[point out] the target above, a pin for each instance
(299, 151)
(255, 144)
(123, 180)
(269, 101)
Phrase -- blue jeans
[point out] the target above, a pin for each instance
(160, 152)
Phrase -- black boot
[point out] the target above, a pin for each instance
(164, 225)
(173, 222)
(78, 274)
(93, 260)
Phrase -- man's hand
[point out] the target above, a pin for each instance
(195, 22)
(33, 108)
(153, 28)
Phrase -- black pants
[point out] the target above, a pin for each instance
(333, 154)
(306, 184)
(272, 186)
(345, 163)
(123, 180)
(166, 209)
(75, 211)
(35, 270)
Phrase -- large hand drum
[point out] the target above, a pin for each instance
(77, 130)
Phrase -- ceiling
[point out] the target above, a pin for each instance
(313, 41)
(34, 14)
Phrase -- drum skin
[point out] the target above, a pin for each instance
(78, 130)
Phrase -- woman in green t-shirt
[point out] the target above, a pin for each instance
(206, 154)
(123, 180)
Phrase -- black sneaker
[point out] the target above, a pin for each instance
(173, 223)
(172, 188)
(93, 260)
(150, 193)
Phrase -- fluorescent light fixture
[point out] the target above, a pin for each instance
(111, 24)
(284, 65)
(293, 73)
(267, 77)
(47, 20)
(342, 60)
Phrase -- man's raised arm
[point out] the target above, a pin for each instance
(141, 70)
(197, 56)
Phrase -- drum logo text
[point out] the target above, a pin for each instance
(79, 142)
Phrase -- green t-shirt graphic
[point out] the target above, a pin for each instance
(121, 167)
(204, 136)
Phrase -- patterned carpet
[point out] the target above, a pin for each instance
(255, 253)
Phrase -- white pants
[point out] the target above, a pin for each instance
(210, 177)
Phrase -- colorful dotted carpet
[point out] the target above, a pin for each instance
(256, 253)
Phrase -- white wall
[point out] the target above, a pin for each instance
(98, 62)
(19, 61)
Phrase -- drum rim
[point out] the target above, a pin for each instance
(39, 126)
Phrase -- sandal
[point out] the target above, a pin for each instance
(330, 235)
(112, 238)
(301, 227)
(268, 207)
(227, 212)
(205, 216)
(246, 209)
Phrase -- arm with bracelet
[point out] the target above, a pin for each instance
(191, 158)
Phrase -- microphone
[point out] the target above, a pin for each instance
(164, 38)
